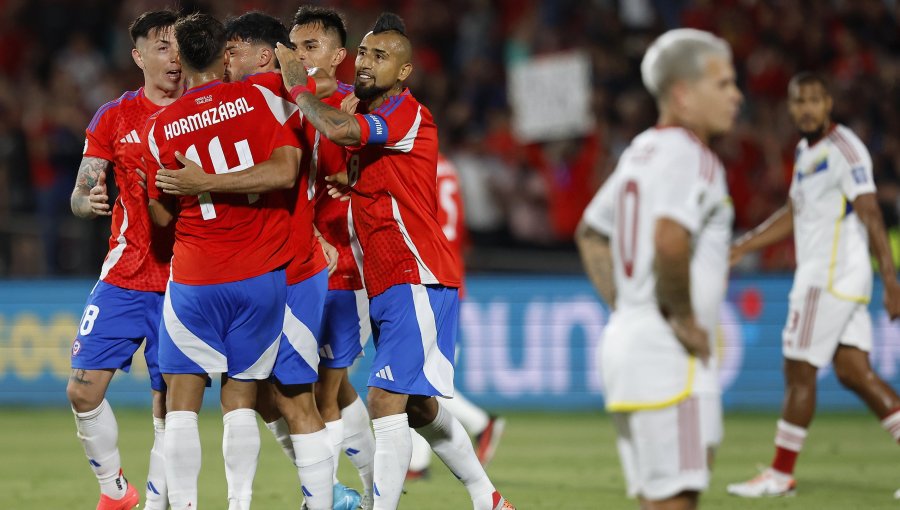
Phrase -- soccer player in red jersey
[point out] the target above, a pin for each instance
(124, 307)
(225, 304)
(411, 274)
(290, 412)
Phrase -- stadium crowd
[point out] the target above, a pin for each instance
(61, 63)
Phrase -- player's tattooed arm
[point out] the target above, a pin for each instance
(89, 198)
(672, 265)
(596, 257)
(340, 127)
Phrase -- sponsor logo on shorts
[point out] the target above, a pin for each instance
(76, 347)
(385, 373)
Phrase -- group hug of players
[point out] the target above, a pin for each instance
(267, 221)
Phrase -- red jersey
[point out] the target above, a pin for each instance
(331, 215)
(139, 254)
(308, 258)
(394, 207)
(450, 211)
(224, 127)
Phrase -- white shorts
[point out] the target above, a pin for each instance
(818, 321)
(663, 451)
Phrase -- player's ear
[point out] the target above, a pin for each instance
(136, 56)
(339, 57)
(405, 71)
(264, 57)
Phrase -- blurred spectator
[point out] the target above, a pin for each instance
(64, 58)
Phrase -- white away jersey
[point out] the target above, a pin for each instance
(831, 243)
(664, 173)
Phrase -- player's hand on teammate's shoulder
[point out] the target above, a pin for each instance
(99, 198)
(293, 72)
(189, 180)
(694, 338)
(892, 299)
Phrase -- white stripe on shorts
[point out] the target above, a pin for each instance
(301, 339)
(198, 351)
(438, 369)
(262, 368)
(362, 311)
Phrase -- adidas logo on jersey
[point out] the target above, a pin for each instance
(385, 373)
(131, 138)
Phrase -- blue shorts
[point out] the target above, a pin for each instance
(232, 328)
(415, 328)
(346, 327)
(298, 359)
(114, 323)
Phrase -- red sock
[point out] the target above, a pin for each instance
(784, 460)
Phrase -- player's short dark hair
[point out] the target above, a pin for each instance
(257, 27)
(809, 78)
(389, 22)
(201, 39)
(150, 21)
(330, 19)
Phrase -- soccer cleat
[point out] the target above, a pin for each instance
(127, 502)
(486, 442)
(413, 475)
(345, 498)
(500, 503)
(769, 483)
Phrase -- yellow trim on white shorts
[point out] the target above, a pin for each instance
(626, 406)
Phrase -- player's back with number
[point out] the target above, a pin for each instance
(225, 237)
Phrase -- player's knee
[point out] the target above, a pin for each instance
(83, 397)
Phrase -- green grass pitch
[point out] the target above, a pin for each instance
(546, 461)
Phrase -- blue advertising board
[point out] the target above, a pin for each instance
(528, 342)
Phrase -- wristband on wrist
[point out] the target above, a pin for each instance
(310, 87)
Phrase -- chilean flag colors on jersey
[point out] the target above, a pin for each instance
(394, 206)
(139, 254)
(224, 127)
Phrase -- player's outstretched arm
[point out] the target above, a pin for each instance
(596, 257)
(866, 207)
(672, 265)
(776, 227)
(340, 127)
(278, 172)
(89, 198)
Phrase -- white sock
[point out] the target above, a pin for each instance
(99, 435)
(472, 417)
(421, 453)
(789, 436)
(393, 447)
(315, 468)
(182, 453)
(336, 437)
(240, 447)
(891, 423)
(451, 443)
(156, 497)
(282, 433)
(359, 442)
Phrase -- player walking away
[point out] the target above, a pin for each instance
(834, 215)
(225, 304)
(487, 429)
(410, 273)
(654, 242)
(124, 307)
(287, 406)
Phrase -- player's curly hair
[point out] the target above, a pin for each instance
(331, 20)
(201, 39)
(389, 22)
